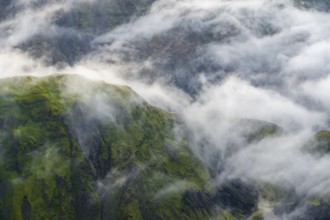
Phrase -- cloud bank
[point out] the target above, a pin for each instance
(211, 62)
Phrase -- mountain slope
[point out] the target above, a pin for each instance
(72, 148)
(65, 157)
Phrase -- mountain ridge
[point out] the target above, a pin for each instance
(39, 140)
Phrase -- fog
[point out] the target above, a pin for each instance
(211, 62)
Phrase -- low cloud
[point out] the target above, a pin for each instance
(213, 63)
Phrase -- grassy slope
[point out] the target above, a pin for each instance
(41, 162)
(45, 174)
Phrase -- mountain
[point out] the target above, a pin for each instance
(73, 148)
(233, 123)
(60, 161)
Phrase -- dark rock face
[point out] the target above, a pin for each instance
(321, 212)
(26, 209)
(91, 137)
(4, 8)
(237, 196)
(321, 5)
(102, 16)
(67, 48)
(77, 28)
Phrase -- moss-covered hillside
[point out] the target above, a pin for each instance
(77, 149)
(71, 148)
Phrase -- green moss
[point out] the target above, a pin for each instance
(273, 193)
(225, 215)
(320, 144)
(323, 136)
(132, 211)
(256, 215)
(314, 202)
(38, 164)
(54, 169)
